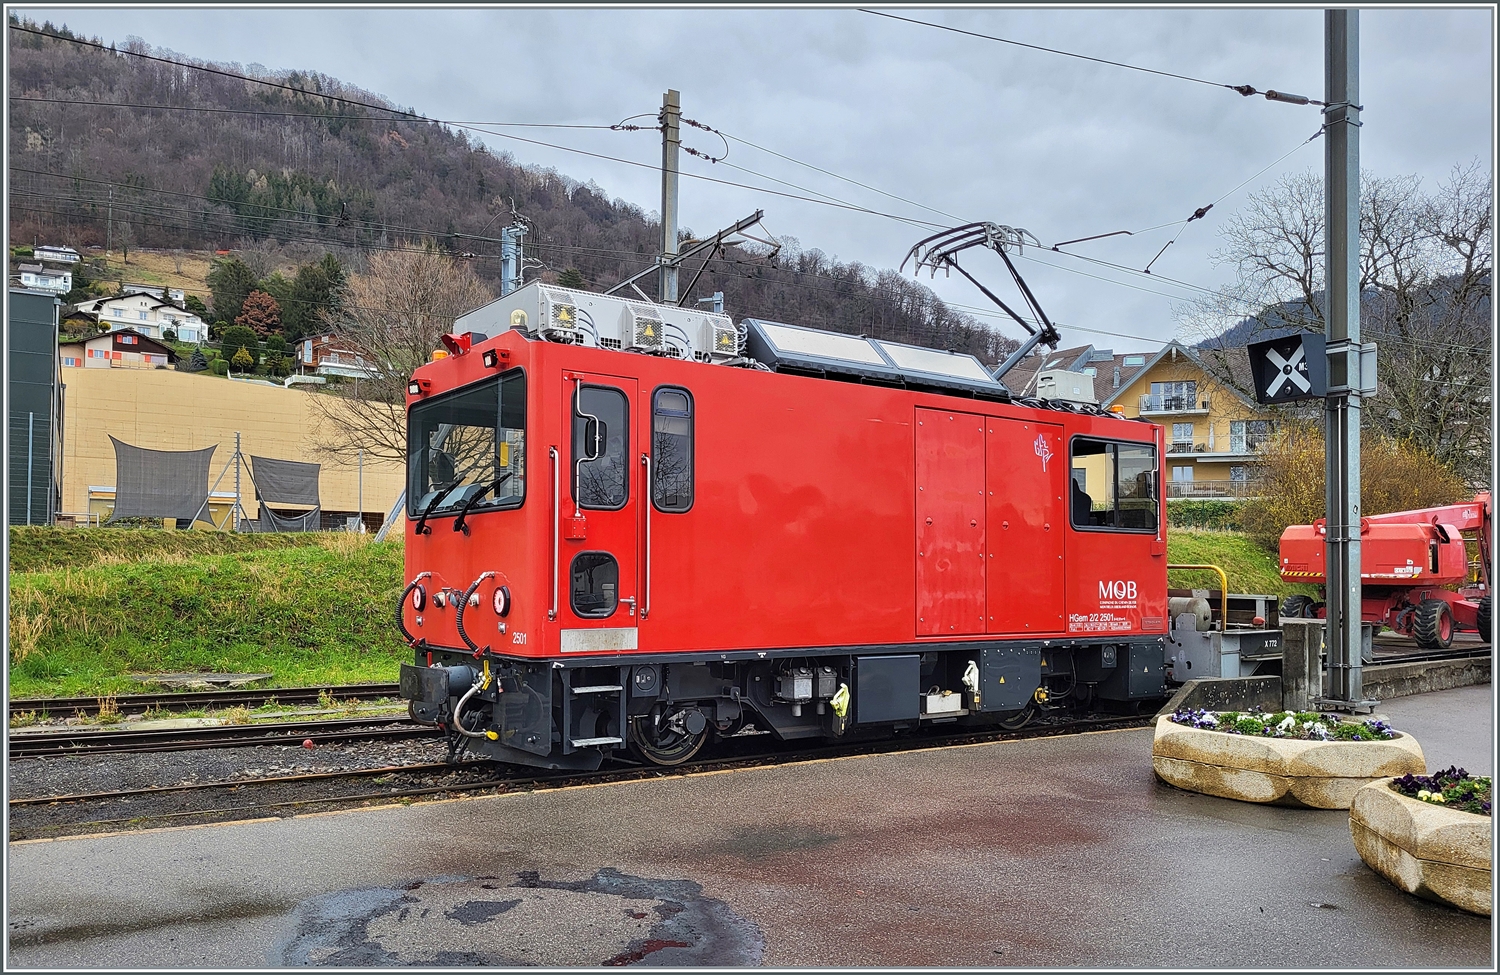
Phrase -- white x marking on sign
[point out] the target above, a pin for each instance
(1287, 370)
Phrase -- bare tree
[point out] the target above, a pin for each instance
(395, 316)
(1425, 276)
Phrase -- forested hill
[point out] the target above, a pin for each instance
(201, 160)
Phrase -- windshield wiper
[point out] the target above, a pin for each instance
(422, 528)
(458, 523)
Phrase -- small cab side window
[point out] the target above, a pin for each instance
(1113, 486)
(672, 449)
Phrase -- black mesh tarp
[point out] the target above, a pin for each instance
(270, 521)
(285, 481)
(161, 483)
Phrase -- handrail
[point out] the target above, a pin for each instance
(646, 499)
(556, 526)
(1223, 589)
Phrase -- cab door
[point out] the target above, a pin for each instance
(599, 515)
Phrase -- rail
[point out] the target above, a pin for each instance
(1223, 588)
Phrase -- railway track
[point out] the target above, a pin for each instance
(210, 700)
(49, 815)
(1423, 656)
(52, 744)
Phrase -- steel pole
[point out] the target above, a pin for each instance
(671, 142)
(1341, 406)
(30, 447)
(361, 490)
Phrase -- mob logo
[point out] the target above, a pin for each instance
(1117, 589)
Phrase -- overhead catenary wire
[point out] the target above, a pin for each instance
(1246, 90)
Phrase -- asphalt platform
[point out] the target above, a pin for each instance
(1040, 853)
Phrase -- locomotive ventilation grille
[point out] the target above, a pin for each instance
(726, 340)
(647, 329)
(610, 343)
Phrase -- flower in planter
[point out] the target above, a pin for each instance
(1301, 725)
(1452, 787)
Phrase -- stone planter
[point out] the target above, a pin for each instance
(1288, 772)
(1425, 849)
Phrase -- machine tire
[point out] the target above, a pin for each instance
(1482, 619)
(1433, 625)
(1297, 607)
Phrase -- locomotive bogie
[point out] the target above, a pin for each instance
(639, 552)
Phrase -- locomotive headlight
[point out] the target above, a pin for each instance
(414, 388)
(502, 600)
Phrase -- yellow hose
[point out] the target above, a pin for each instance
(1223, 590)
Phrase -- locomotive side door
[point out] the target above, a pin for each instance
(1026, 472)
(599, 550)
(950, 523)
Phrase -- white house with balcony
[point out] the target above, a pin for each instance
(54, 254)
(39, 278)
(147, 313)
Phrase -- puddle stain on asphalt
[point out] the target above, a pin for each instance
(610, 919)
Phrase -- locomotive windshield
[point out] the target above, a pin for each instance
(1114, 485)
(468, 448)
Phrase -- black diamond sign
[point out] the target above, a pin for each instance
(1290, 368)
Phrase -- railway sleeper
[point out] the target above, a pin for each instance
(665, 710)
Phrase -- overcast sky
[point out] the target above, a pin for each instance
(975, 129)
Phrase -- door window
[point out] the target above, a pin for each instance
(601, 447)
(1114, 485)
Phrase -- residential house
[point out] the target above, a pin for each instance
(52, 254)
(35, 277)
(124, 348)
(1214, 432)
(147, 313)
(175, 295)
(327, 355)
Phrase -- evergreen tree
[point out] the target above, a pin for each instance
(239, 338)
(230, 282)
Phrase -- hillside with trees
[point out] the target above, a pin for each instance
(144, 146)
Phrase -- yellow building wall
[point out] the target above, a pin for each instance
(168, 410)
(1225, 406)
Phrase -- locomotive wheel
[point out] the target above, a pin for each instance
(1297, 607)
(665, 745)
(1482, 619)
(1433, 625)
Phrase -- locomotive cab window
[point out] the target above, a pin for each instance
(468, 448)
(672, 449)
(601, 447)
(1113, 486)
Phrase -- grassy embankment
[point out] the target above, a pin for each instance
(1249, 567)
(91, 606)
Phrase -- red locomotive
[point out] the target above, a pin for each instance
(758, 529)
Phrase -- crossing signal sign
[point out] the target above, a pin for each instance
(1292, 367)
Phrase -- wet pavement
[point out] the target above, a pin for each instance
(1037, 853)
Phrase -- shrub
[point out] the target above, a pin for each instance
(219, 367)
(238, 338)
(243, 360)
(1394, 476)
(1222, 514)
(169, 334)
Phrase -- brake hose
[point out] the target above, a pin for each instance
(401, 607)
(463, 604)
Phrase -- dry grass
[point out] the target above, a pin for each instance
(109, 710)
(26, 630)
(24, 719)
(235, 715)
